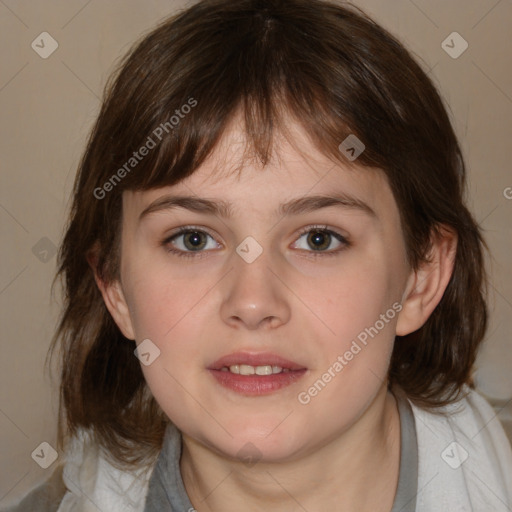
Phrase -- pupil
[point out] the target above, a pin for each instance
(195, 238)
(318, 236)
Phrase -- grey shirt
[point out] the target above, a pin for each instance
(167, 492)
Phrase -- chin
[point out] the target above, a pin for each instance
(261, 440)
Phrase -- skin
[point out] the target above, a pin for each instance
(315, 456)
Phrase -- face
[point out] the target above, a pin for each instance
(314, 286)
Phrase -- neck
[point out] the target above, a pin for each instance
(334, 477)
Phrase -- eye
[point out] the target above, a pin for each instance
(320, 238)
(194, 240)
(192, 244)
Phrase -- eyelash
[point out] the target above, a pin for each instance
(202, 253)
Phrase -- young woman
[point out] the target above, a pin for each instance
(274, 289)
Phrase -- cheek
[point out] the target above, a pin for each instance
(355, 333)
(161, 299)
(356, 341)
(166, 309)
(353, 299)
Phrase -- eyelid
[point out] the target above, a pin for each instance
(344, 240)
(180, 231)
(187, 228)
(307, 229)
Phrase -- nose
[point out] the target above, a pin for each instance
(255, 295)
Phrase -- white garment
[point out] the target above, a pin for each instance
(473, 475)
(94, 485)
(483, 482)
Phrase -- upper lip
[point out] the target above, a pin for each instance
(255, 359)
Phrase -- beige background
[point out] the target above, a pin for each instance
(48, 105)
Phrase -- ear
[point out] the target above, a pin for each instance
(425, 287)
(113, 297)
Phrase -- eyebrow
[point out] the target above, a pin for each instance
(225, 209)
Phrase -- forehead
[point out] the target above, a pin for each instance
(296, 169)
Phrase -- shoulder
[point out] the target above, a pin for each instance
(87, 474)
(464, 456)
(46, 497)
(92, 475)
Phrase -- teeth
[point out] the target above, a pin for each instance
(246, 369)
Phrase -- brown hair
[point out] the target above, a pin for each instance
(337, 73)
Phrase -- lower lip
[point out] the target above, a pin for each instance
(253, 385)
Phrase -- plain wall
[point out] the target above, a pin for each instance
(49, 105)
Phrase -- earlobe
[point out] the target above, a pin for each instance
(114, 299)
(425, 287)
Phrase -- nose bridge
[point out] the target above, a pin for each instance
(255, 295)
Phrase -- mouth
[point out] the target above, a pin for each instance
(263, 363)
(255, 373)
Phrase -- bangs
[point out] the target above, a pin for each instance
(171, 110)
(259, 126)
